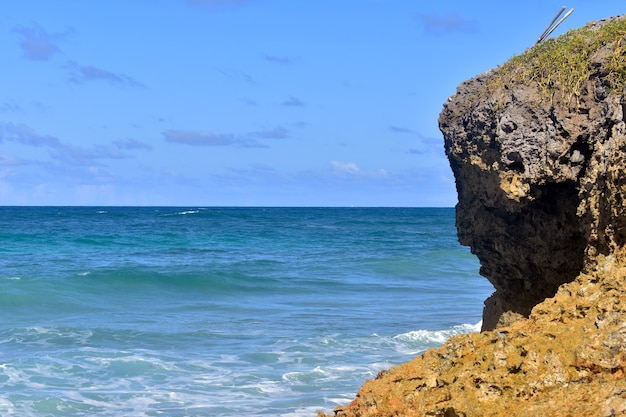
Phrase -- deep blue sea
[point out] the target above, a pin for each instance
(164, 311)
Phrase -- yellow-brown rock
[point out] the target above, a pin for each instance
(567, 359)
(538, 150)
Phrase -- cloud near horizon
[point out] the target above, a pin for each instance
(26, 135)
(352, 170)
(131, 144)
(62, 152)
(189, 137)
(207, 138)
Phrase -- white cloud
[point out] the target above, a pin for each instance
(349, 168)
(352, 170)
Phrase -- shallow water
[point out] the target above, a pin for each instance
(221, 311)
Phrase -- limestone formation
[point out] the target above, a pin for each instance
(538, 174)
(538, 150)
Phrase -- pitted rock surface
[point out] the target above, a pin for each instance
(539, 182)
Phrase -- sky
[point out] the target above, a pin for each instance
(246, 102)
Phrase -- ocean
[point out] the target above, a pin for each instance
(191, 311)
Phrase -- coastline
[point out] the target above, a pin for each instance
(538, 150)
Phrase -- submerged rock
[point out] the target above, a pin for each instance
(538, 150)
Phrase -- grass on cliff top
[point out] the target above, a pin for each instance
(563, 63)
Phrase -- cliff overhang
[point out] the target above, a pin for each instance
(535, 147)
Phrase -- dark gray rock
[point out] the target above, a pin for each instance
(539, 180)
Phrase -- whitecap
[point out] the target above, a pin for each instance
(180, 213)
(306, 411)
(424, 336)
(268, 387)
(438, 336)
(345, 368)
(419, 340)
(304, 376)
(6, 405)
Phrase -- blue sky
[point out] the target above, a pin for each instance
(245, 102)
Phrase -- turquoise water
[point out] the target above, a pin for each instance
(221, 311)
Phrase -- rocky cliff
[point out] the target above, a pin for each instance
(538, 150)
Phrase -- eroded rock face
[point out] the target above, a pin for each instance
(539, 183)
(542, 203)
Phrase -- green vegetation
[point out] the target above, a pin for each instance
(563, 63)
